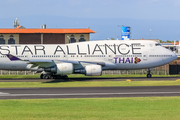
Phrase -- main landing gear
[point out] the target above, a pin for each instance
(48, 76)
(149, 73)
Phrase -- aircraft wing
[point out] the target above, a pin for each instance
(45, 63)
(79, 62)
(41, 63)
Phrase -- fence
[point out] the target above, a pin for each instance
(5, 72)
(162, 70)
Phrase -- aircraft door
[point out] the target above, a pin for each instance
(110, 57)
(65, 57)
(145, 56)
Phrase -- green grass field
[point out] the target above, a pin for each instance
(87, 84)
(147, 108)
(138, 108)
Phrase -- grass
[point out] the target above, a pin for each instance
(147, 108)
(19, 76)
(87, 84)
(83, 76)
(138, 108)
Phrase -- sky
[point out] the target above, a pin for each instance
(103, 16)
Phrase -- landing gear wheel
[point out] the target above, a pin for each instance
(51, 77)
(48, 77)
(42, 76)
(65, 76)
(149, 76)
(58, 76)
(149, 73)
(45, 76)
(54, 77)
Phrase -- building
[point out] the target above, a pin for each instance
(156, 40)
(174, 47)
(21, 35)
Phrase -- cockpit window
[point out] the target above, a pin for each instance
(158, 44)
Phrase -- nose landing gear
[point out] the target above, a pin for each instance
(149, 73)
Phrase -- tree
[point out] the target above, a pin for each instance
(160, 41)
(168, 41)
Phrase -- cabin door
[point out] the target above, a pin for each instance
(145, 56)
(65, 57)
(110, 57)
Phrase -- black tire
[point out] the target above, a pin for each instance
(42, 76)
(47, 77)
(51, 77)
(65, 76)
(59, 77)
(149, 76)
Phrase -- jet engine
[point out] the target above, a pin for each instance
(61, 69)
(93, 70)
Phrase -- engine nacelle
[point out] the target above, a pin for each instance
(64, 69)
(61, 69)
(93, 70)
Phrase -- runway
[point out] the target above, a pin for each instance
(91, 79)
(88, 92)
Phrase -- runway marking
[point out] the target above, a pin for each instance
(1, 93)
(83, 94)
(128, 80)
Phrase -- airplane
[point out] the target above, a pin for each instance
(89, 58)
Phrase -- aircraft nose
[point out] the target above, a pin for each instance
(174, 56)
(171, 56)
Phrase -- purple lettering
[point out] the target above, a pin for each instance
(121, 60)
(124, 60)
(132, 60)
(115, 59)
(127, 60)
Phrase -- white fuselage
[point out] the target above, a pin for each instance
(115, 54)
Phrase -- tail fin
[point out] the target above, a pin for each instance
(12, 58)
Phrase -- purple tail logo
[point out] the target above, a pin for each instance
(137, 60)
(12, 58)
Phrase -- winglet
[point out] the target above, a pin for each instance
(12, 58)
